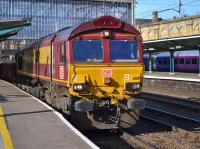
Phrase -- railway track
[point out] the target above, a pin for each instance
(179, 113)
(118, 139)
(191, 103)
(189, 127)
(136, 142)
(182, 115)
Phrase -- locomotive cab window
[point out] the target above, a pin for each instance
(87, 50)
(124, 50)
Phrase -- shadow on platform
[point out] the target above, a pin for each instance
(25, 113)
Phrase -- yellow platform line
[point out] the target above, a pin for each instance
(4, 132)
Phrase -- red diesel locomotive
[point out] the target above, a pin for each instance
(93, 72)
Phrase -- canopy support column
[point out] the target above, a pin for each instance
(171, 62)
(199, 62)
(150, 62)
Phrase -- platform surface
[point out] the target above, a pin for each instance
(34, 126)
(176, 76)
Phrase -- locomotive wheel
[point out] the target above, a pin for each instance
(33, 91)
(19, 85)
(42, 95)
(48, 97)
(57, 103)
(23, 88)
(37, 92)
(29, 89)
(66, 104)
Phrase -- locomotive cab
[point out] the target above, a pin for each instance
(106, 72)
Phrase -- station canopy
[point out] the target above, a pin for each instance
(49, 16)
(12, 27)
(177, 44)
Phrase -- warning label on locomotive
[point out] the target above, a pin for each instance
(107, 72)
(61, 72)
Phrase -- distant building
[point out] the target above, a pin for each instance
(154, 19)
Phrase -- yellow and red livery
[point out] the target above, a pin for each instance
(93, 72)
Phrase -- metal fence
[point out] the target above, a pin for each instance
(50, 15)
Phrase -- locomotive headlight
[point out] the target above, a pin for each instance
(81, 87)
(132, 86)
(77, 87)
(106, 34)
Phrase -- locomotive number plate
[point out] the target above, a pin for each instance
(107, 72)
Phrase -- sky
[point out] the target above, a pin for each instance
(144, 8)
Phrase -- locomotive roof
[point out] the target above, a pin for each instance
(31, 45)
(70, 32)
(103, 22)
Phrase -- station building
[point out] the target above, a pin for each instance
(48, 16)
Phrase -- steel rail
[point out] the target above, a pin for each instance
(195, 135)
(136, 142)
(172, 114)
(173, 100)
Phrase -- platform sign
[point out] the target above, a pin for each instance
(61, 72)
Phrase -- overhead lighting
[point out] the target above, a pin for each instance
(151, 49)
(178, 47)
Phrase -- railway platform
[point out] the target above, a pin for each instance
(31, 124)
(181, 85)
(192, 77)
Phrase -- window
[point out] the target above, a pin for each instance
(187, 61)
(165, 61)
(87, 50)
(194, 61)
(181, 61)
(62, 53)
(175, 61)
(159, 61)
(123, 50)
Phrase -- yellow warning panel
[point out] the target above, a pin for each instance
(7, 142)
